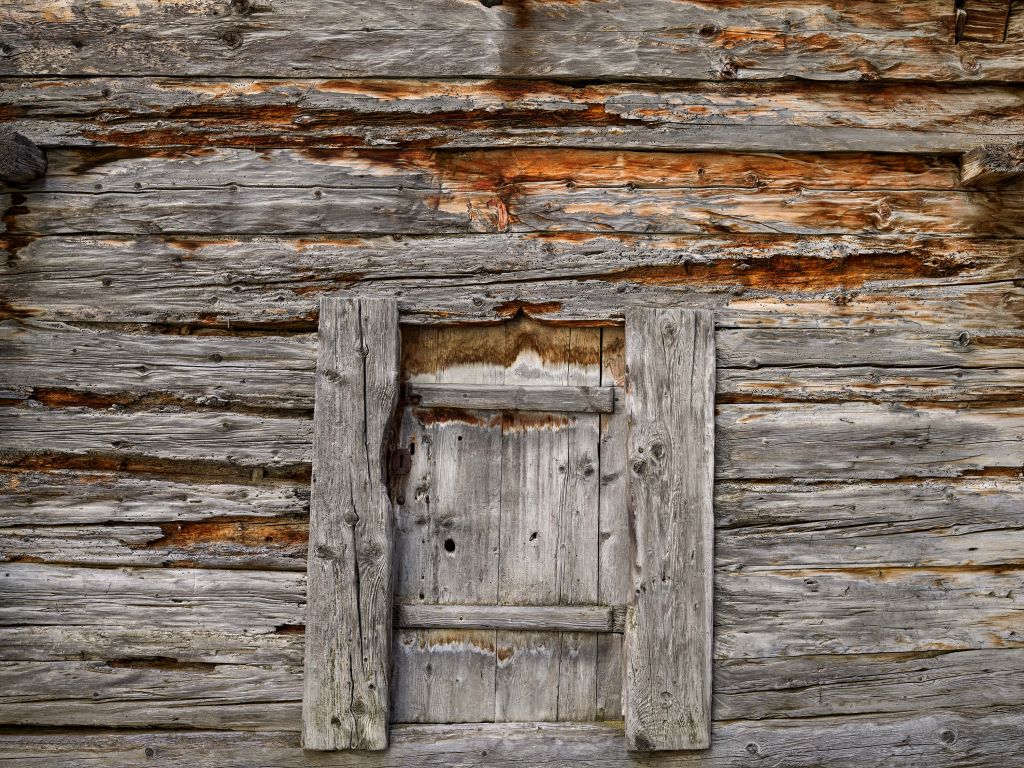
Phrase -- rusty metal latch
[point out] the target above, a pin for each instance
(400, 463)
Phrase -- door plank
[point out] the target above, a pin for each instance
(348, 621)
(670, 363)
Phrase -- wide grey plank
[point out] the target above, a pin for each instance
(349, 592)
(670, 396)
(986, 737)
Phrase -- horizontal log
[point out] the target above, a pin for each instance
(927, 524)
(751, 280)
(486, 397)
(759, 612)
(302, 192)
(124, 520)
(58, 363)
(105, 519)
(670, 40)
(540, 618)
(830, 441)
(240, 439)
(148, 692)
(804, 116)
(991, 738)
(64, 498)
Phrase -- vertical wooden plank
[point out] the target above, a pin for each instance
(614, 536)
(447, 538)
(578, 535)
(348, 623)
(670, 363)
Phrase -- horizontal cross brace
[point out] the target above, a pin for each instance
(534, 618)
(487, 397)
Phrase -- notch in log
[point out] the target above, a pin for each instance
(21, 161)
(992, 164)
(982, 21)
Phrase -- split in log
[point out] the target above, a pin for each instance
(992, 164)
(21, 161)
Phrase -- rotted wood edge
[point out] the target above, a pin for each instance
(21, 161)
(349, 612)
(670, 404)
(486, 397)
(540, 618)
(992, 164)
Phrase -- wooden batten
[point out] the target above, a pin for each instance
(21, 161)
(992, 164)
(670, 396)
(348, 614)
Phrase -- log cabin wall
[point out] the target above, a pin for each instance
(215, 167)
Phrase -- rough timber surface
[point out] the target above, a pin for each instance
(770, 116)
(216, 166)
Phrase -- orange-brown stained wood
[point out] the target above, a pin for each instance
(252, 532)
(427, 350)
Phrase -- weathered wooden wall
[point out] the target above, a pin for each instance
(215, 166)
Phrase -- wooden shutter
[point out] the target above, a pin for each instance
(349, 602)
(538, 467)
(670, 402)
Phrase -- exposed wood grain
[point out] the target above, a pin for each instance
(992, 164)
(571, 399)
(348, 618)
(109, 367)
(171, 434)
(284, 191)
(809, 441)
(934, 523)
(771, 116)
(986, 20)
(143, 691)
(446, 675)
(756, 281)
(987, 737)
(615, 539)
(542, 618)
(72, 498)
(670, 395)
(866, 441)
(210, 615)
(691, 41)
(21, 161)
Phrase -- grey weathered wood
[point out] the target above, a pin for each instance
(811, 441)
(214, 615)
(992, 164)
(275, 282)
(571, 399)
(991, 737)
(348, 622)
(688, 41)
(278, 371)
(670, 395)
(614, 570)
(542, 618)
(448, 675)
(743, 116)
(21, 161)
